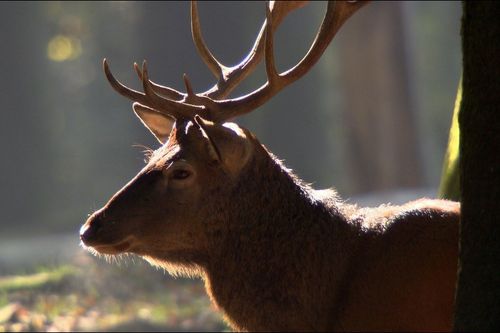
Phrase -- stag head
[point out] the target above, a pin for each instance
(172, 209)
(166, 210)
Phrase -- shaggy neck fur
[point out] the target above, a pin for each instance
(275, 244)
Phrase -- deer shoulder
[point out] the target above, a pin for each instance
(407, 259)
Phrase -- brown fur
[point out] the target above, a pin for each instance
(277, 255)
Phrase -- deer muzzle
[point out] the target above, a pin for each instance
(93, 234)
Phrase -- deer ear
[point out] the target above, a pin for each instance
(158, 123)
(228, 142)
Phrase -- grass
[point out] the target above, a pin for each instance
(37, 280)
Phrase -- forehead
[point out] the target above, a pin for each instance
(163, 155)
(181, 134)
(172, 148)
(169, 150)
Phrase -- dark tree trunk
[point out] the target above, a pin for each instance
(478, 294)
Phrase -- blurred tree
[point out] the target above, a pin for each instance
(379, 104)
(437, 54)
(24, 124)
(478, 294)
(78, 144)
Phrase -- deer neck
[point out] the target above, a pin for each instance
(280, 239)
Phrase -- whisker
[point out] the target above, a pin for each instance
(147, 151)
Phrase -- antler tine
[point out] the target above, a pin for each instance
(337, 13)
(177, 109)
(149, 98)
(162, 90)
(213, 64)
(134, 95)
(232, 76)
(272, 73)
(189, 87)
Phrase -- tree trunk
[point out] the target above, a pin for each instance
(379, 108)
(478, 293)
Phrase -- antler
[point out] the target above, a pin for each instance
(228, 77)
(210, 103)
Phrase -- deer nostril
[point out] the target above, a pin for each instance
(91, 228)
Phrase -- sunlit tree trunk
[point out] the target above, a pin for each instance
(478, 294)
(449, 188)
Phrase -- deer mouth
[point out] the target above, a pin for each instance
(111, 249)
(116, 248)
(97, 245)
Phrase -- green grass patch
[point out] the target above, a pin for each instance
(36, 280)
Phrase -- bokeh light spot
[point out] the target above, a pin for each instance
(62, 48)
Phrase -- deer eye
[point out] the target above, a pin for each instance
(180, 174)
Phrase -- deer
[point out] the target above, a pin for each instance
(274, 253)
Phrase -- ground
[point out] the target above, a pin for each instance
(90, 294)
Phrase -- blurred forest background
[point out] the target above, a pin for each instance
(370, 119)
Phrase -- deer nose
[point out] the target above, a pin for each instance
(90, 229)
